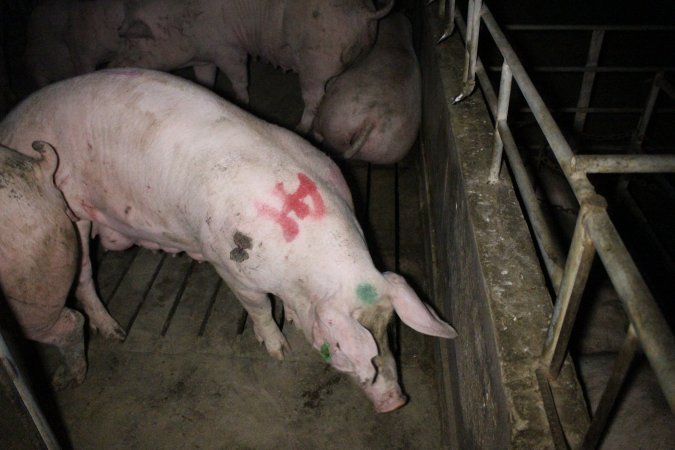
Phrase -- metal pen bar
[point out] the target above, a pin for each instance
(548, 245)
(485, 84)
(471, 49)
(552, 255)
(666, 86)
(602, 412)
(602, 110)
(27, 398)
(535, 27)
(589, 78)
(450, 22)
(561, 149)
(655, 336)
(502, 114)
(624, 163)
(646, 116)
(577, 268)
(604, 69)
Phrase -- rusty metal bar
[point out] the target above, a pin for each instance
(548, 246)
(624, 163)
(471, 49)
(602, 412)
(650, 326)
(502, 115)
(595, 46)
(27, 398)
(577, 268)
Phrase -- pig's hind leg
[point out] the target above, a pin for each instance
(99, 319)
(266, 330)
(66, 334)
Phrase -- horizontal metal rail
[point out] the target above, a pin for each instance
(605, 69)
(624, 163)
(539, 27)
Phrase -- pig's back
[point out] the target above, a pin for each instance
(131, 131)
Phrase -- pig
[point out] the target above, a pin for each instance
(65, 38)
(150, 159)
(372, 111)
(38, 257)
(315, 38)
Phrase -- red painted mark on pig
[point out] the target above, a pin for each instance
(294, 202)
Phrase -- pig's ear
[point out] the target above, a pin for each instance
(137, 29)
(345, 337)
(413, 312)
(380, 13)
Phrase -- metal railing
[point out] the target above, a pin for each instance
(594, 231)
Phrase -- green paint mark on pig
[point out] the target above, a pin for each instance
(366, 293)
(325, 351)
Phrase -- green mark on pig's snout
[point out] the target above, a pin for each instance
(366, 293)
(325, 351)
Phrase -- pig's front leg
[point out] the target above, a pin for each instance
(233, 64)
(266, 330)
(99, 319)
(312, 93)
(205, 74)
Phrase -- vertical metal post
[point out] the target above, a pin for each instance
(646, 116)
(502, 115)
(589, 77)
(471, 51)
(577, 268)
(621, 367)
(450, 22)
(17, 378)
(441, 8)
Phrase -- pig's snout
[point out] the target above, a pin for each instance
(390, 401)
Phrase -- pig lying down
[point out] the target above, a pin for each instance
(372, 111)
(150, 159)
(38, 257)
(315, 38)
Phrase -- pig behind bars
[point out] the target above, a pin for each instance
(153, 160)
(66, 38)
(315, 38)
(38, 257)
(372, 111)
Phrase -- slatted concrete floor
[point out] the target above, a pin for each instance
(185, 377)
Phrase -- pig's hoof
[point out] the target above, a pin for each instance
(65, 377)
(110, 330)
(278, 347)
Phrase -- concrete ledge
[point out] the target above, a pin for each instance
(487, 276)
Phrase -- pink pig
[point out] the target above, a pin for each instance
(315, 38)
(372, 111)
(39, 257)
(69, 37)
(153, 160)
